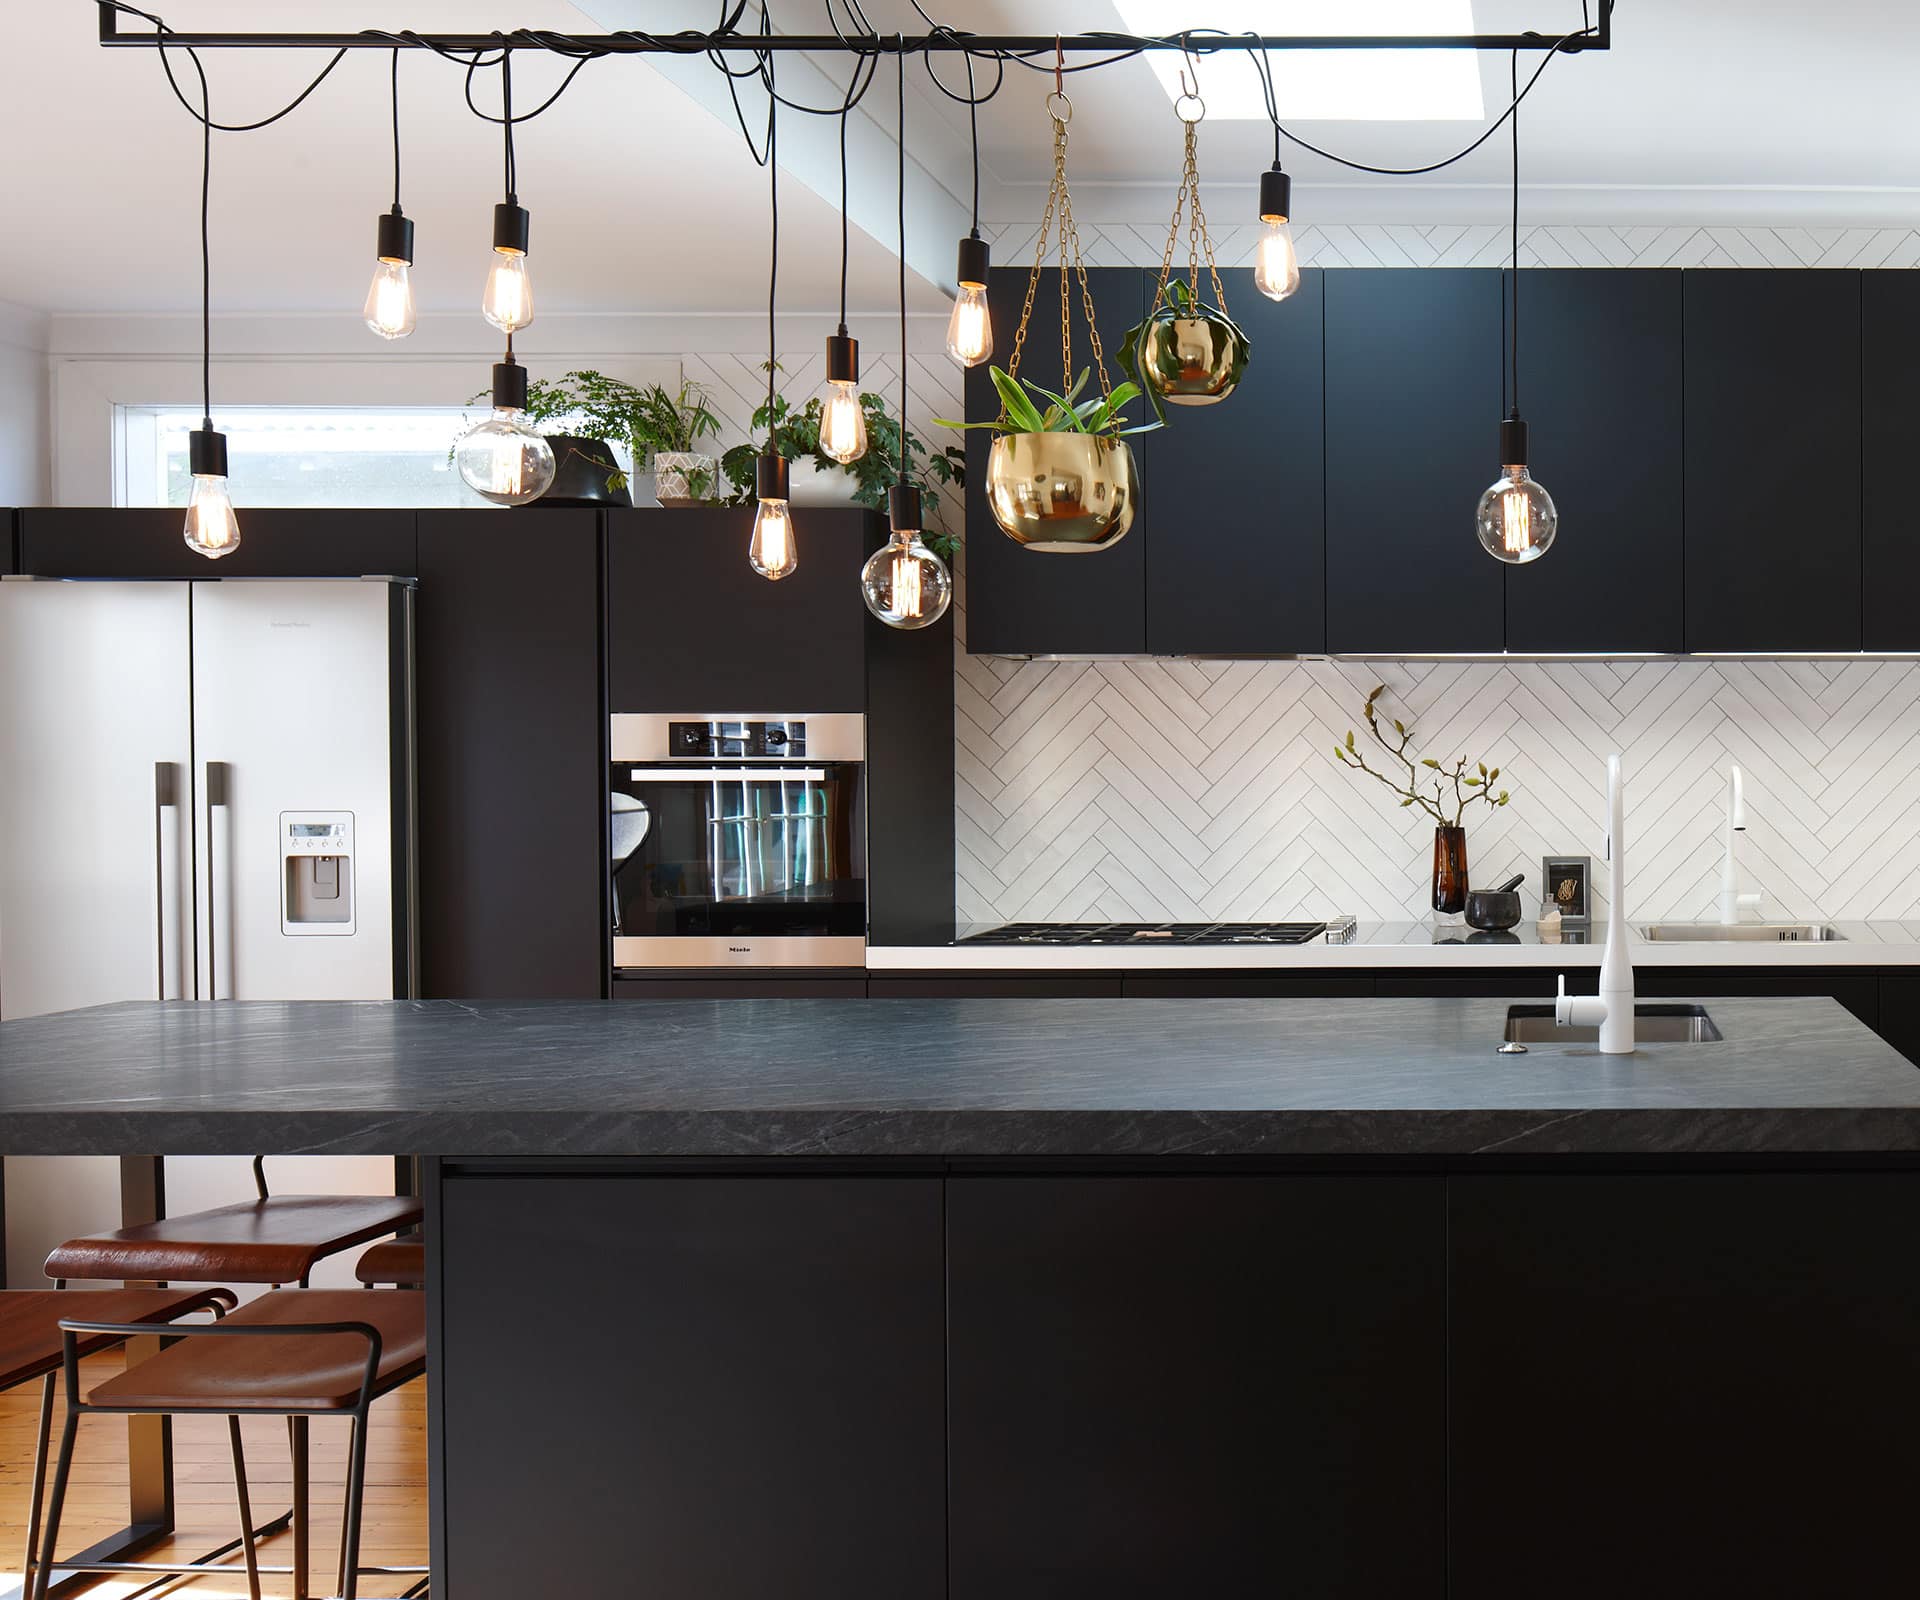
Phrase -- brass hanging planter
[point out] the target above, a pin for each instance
(1064, 483)
(1186, 352)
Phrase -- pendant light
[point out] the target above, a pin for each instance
(507, 300)
(1516, 518)
(904, 583)
(1276, 264)
(389, 307)
(970, 328)
(771, 551)
(211, 527)
(503, 459)
(843, 425)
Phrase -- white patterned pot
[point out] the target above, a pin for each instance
(684, 477)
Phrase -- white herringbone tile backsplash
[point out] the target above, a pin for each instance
(1201, 789)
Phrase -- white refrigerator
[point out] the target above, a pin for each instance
(205, 794)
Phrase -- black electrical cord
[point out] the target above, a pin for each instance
(396, 131)
(164, 30)
(773, 258)
(506, 119)
(206, 249)
(901, 98)
(1513, 336)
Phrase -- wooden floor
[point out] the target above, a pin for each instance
(395, 1532)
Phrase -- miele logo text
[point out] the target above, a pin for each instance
(739, 949)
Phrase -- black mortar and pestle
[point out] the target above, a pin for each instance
(1495, 910)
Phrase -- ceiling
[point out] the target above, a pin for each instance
(644, 201)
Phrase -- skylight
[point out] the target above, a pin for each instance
(1323, 85)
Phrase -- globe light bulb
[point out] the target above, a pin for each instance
(905, 584)
(1276, 265)
(970, 328)
(1516, 518)
(507, 301)
(211, 527)
(504, 460)
(389, 307)
(772, 552)
(843, 424)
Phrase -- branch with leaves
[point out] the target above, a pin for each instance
(1467, 787)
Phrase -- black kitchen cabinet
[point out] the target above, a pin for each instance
(1899, 1022)
(994, 986)
(1205, 1385)
(749, 1399)
(910, 834)
(511, 716)
(1890, 316)
(1858, 991)
(124, 542)
(1330, 985)
(825, 983)
(1773, 452)
(1027, 602)
(691, 627)
(1670, 1386)
(1236, 565)
(1600, 383)
(1412, 418)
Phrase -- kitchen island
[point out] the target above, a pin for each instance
(1062, 1298)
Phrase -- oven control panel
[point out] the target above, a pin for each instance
(707, 740)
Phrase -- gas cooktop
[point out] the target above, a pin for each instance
(1160, 933)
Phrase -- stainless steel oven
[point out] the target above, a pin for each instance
(738, 841)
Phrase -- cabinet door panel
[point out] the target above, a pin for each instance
(1891, 353)
(1413, 407)
(1600, 378)
(692, 627)
(735, 1393)
(144, 542)
(1675, 1386)
(1028, 602)
(1195, 1386)
(1237, 565)
(1773, 500)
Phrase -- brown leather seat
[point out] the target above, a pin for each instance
(400, 1261)
(282, 1372)
(30, 1321)
(276, 1240)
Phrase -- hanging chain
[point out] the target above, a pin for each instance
(1199, 240)
(1059, 211)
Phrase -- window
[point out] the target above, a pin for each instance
(310, 456)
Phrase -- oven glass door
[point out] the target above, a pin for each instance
(739, 849)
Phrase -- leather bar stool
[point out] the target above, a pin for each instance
(400, 1262)
(294, 1352)
(31, 1346)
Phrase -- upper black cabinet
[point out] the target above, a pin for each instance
(691, 627)
(1412, 414)
(1028, 602)
(1891, 314)
(1236, 563)
(1600, 383)
(105, 542)
(1773, 451)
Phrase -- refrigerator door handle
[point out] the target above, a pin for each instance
(166, 880)
(219, 776)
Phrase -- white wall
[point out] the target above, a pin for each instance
(25, 433)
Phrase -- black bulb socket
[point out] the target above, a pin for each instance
(509, 386)
(1513, 441)
(903, 508)
(770, 477)
(511, 228)
(843, 357)
(1276, 195)
(975, 258)
(395, 240)
(207, 453)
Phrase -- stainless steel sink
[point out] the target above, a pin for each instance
(1652, 1024)
(1740, 933)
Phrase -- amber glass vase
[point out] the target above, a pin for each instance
(1449, 870)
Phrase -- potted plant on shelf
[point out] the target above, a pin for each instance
(1448, 810)
(1061, 476)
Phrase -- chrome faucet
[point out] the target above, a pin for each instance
(1732, 901)
(1611, 1010)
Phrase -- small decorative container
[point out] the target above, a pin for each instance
(581, 470)
(1449, 870)
(683, 477)
(1062, 491)
(1565, 886)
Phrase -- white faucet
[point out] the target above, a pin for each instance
(1732, 901)
(1612, 1008)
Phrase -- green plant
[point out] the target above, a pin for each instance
(1179, 302)
(1466, 788)
(1027, 408)
(647, 420)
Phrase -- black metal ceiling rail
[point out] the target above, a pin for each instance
(1198, 42)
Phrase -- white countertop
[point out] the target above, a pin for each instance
(1414, 944)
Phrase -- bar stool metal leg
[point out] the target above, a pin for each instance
(246, 1509)
(42, 1437)
(302, 1508)
(56, 1504)
(356, 1494)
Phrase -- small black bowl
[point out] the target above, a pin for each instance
(1493, 910)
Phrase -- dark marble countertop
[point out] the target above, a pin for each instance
(932, 1077)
